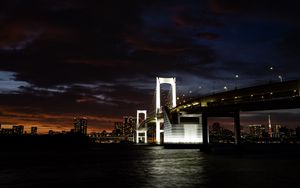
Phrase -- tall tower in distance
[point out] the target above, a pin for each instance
(80, 125)
(270, 126)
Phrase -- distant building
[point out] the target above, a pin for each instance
(119, 129)
(129, 127)
(50, 132)
(15, 130)
(216, 128)
(103, 133)
(33, 131)
(80, 125)
(6, 131)
(257, 130)
(18, 129)
(276, 131)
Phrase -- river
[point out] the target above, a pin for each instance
(146, 166)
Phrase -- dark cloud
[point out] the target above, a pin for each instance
(208, 36)
(268, 8)
(100, 58)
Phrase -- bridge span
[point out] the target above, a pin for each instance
(187, 122)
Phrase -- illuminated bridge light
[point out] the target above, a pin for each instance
(195, 103)
(251, 95)
(203, 103)
(235, 97)
(222, 99)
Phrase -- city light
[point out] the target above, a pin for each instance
(122, 93)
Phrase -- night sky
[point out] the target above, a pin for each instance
(99, 59)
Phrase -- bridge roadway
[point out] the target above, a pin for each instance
(273, 96)
(249, 99)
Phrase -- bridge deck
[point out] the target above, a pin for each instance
(281, 95)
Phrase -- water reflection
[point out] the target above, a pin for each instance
(174, 168)
(147, 166)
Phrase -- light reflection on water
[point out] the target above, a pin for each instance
(174, 168)
(147, 166)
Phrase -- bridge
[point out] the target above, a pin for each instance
(186, 123)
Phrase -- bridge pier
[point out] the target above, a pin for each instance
(204, 129)
(237, 127)
(138, 136)
(157, 131)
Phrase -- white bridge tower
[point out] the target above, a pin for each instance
(138, 124)
(172, 82)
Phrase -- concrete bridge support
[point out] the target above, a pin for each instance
(237, 127)
(138, 136)
(158, 131)
(205, 134)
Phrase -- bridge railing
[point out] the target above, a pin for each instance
(248, 85)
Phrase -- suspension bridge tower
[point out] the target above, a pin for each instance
(138, 130)
(158, 107)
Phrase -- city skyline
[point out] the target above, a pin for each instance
(63, 59)
(226, 122)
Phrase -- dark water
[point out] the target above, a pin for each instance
(146, 166)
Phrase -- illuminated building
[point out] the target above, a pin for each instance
(80, 125)
(6, 131)
(257, 130)
(15, 130)
(18, 129)
(33, 131)
(277, 131)
(129, 127)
